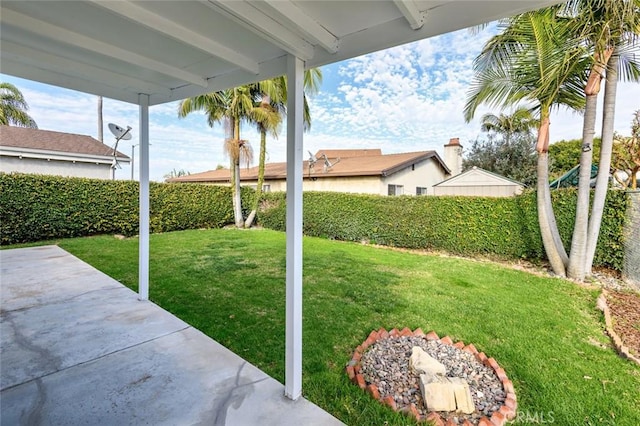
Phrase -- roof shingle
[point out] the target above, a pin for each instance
(47, 140)
(352, 162)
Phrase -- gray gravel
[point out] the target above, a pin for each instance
(386, 365)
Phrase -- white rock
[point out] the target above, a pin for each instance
(421, 362)
(464, 402)
(442, 393)
(437, 392)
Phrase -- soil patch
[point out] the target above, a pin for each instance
(624, 308)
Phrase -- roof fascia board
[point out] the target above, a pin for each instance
(397, 167)
(10, 151)
(410, 11)
(167, 27)
(305, 24)
(62, 35)
(256, 21)
(481, 171)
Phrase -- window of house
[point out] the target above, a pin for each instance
(396, 189)
(421, 190)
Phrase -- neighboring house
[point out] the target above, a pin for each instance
(479, 183)
(45, 152)
(361, 171)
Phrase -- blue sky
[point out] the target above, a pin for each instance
(408, 98)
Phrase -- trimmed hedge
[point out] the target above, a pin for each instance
(37, 207)
(506, 227)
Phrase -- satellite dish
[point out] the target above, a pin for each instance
(328, 164)
(312, 162)
(119, 132)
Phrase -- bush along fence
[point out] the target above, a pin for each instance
(36, 207)
(631, 269)
(503, 227)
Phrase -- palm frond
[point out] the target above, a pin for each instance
(13, 107)
(535, 58)
(629, 67)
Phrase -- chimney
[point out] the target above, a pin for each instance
(453, 156)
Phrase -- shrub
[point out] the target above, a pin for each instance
(37, 207)
(506, 227)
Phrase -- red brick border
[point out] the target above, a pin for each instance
(617, 341)
(498, 418)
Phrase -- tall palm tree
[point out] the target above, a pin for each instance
(536, 59)
(13, 107)
(271, 97)
(606, 27)
(232, 107)
(267, 115)
(520, 121)
(613, 28)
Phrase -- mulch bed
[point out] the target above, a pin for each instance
(624, 307)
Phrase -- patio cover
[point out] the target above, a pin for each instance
(153, 52)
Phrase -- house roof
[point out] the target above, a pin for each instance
(340, 153)
(350, 162)
(50, 141)
(171, 50)
(480, 177)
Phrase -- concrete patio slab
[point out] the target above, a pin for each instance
(81, 349)
(38, 272)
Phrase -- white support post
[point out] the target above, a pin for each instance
(143, 250)
(293, 350)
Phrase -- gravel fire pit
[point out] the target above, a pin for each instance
(380, 365)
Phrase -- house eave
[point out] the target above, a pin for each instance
(41, 154)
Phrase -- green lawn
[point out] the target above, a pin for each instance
(230, 284)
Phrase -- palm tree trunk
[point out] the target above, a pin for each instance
(602, 181)
(577, 257)
(100, 125)
(546, 217)
(256, 202)
(235, 184)
(237, 205)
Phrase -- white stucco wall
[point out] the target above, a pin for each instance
(479, 190)
(355, 185)
(55, 167)
(425, 174)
